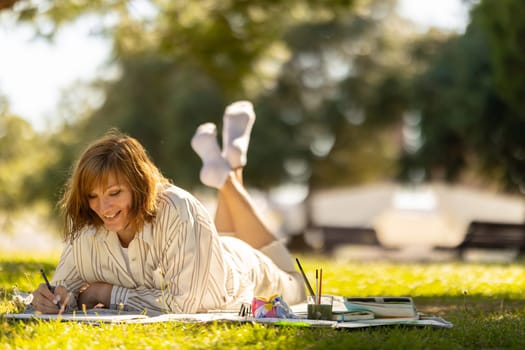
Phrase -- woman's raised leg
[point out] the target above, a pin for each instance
(236, 213)
(246, 221)
(223, 217)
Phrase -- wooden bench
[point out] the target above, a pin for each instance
(493, 235)
(334, 236)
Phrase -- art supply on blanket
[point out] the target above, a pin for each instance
(308, 285)
(272, 307)
(320, 286)
(320, 307)
(245, 310)
(316, 282)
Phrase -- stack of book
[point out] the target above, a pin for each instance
(369, 308)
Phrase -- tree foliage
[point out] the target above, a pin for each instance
(471, 102)
(503, 23)
(22, 157)
(224, 39)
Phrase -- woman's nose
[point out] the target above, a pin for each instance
(104, 205)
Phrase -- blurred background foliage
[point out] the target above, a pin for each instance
(345, 92)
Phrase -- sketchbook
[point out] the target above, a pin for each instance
(89, 316)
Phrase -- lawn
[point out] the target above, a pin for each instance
(485, 302)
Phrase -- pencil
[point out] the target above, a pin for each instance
(305, 278)
(316, 282)
(320, 284)
(42, 272)
(49, 286)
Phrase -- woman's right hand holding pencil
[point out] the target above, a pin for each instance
(47, 301)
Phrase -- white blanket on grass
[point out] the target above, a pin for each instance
(98, 316)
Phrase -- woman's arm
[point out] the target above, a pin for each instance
(67, 276)
(95, 294)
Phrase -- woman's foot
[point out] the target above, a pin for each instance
(215, 168)
(237, 126)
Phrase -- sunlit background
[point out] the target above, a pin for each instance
(402, 120)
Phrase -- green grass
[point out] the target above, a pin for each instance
(485, 302)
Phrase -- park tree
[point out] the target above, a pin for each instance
(471, 119)
(23, 157)
(503, 23)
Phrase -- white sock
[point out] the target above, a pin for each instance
(215, 168)
(237, 126)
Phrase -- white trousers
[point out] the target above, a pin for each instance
(271, 270)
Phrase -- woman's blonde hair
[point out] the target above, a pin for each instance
(117, 154)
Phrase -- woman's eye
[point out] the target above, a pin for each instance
(91, 196)
(115, 193)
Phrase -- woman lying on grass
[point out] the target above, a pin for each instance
(137, 242)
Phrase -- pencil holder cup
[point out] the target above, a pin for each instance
(320, 308)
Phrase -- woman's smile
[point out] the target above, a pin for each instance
(111, 217)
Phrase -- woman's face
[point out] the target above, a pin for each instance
(112, 204)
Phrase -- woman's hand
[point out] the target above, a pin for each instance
(48, 302)
(94, 294)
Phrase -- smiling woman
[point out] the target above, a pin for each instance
(139, 243)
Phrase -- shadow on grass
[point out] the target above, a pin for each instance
(468, 303)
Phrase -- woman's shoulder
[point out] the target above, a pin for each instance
(178, 199)
(173, 193)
